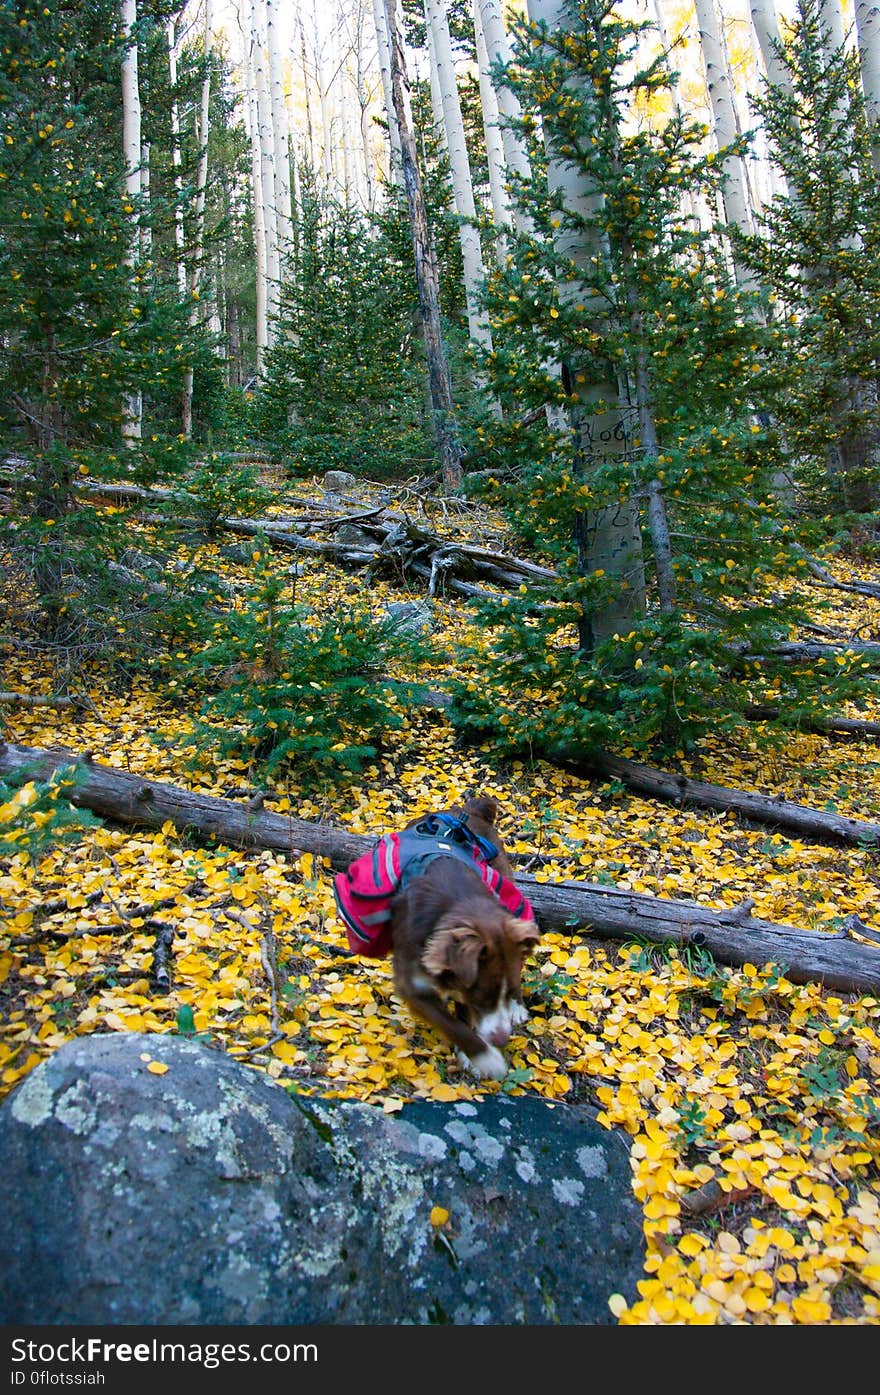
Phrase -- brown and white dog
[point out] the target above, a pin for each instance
(453, 940)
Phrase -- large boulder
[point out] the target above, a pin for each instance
(207, 1194)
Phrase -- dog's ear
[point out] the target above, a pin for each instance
(455, 950)
(523, 932)
(482, 807)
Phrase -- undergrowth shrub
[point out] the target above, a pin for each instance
(290, 687)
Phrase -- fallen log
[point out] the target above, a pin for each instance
(731, 936)
(823, 577)
(457, 568)
(826, 726)
(757, 808)
(9, 699)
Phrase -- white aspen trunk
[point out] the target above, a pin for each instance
(340, 107)
(146, 222)
(831, 15)
(328, 161)
(361, 103)
(438, 125)
(608, 539)
(688, 199)
(868, 35)
(460, 174)
(176, 161)
(132, 407)
(384, 56)
(769, 180)
(193, 289)
(766, 28)
(515, 153)
(262, 290)
(425, 265)
(492, 132)
(266, 147)
(349, 180)
(307, 103)
(722, 104)
(280, 133)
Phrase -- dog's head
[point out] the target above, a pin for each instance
(478, 961)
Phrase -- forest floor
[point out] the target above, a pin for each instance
(752, 1102)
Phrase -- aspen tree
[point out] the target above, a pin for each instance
(261, 275)
(460, 173)
(384, 58)
(868, 30)
(491, 111)
(439, 383)
(280, 132)
(265, 139)
(132, 155)
(719, 87)
(608, 539)
(193, 286)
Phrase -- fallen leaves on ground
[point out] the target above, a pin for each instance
(735, 1085)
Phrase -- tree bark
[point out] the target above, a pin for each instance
(867, 15)
(384, 55)
(516, 156)
(460, 172)
(261, 263)
(731, 936)
(735, 197)
(193, 287)
(265, 139)
(758, 808)
(132, 406)
(176, 162)
(766, 27)
(608, 540)
(439, 384)
(492, 133)
(280, 134)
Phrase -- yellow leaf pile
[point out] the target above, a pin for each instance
(751, 1102)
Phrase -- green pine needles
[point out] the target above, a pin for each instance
(287, 687)
(343, 385)
(622, 308)
(818, 255)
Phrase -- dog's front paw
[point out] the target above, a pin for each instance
(489, 1065)
(519, 1013)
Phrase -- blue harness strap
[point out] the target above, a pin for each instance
(455, 828)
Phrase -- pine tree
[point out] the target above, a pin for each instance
(655, 310)
(344, 385)
(818, 253)
(81, 332)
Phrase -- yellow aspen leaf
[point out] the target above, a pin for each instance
(157, 1068)
(756, 1300)
(439, 1216)
(691, 1245)
(811, 1310)
(618, 1304)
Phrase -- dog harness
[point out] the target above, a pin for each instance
(365, 891)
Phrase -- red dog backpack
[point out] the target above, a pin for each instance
(365, 891)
